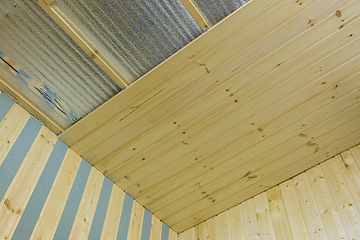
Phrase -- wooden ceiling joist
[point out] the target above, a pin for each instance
(196, 13)
(83, 42)
(269, 92)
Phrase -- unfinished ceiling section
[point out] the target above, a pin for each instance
(267, 93)
(48, 67)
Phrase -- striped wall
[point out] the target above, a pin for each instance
(50, 192)
(321, 203)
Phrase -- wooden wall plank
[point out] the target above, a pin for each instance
(156, 229)
(123, 231)
(16, 155)
(5, 106)
(296, 220)
(236, 223)
(329, 213)
(13, 204)
(73, 201)
(278, 214)
(223, 225)
(41, 192)
(351, 174)
(251, 228)
(136, 221)
(100, 213)
(342, 198)
(172, 235)
(86, 210)
(263, 215)
(201, 231)
(51, 213)
(10, 128)
(355, 151)
(113, 214)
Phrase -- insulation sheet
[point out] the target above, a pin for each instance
(134, 35)
(215, 10)
(47, 65)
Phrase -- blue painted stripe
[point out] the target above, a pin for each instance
(146, 227)
(16, 155)
(101, 208)
(72, 204)
(41, 191)
(5, 105)
(125, 218)
(164, 232)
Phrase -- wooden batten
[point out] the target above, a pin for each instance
(196, 13)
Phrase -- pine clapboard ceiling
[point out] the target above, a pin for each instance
(268, 92)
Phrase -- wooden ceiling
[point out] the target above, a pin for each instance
(269, 92)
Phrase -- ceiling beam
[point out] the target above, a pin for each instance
(83, 42)
(196, 13)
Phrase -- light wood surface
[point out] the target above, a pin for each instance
(155, 232)
(316, 204)
(14, 201)
(264, 91)
(136, 221)
(196, 13)
(10, 128)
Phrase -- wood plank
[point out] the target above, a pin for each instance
(244, 168)
(263, 215)
(172, 235)
(30, 106)
(250, 224)
(84, 43)
(85, 213)
(196, 142)
(19, 192)
(355, 151)
(278, 214)
(155, 233)
(10, 129)
(136, 221)
(223, 225)
(195, 12)
(351, 174)
(342, 197)
(292, 206)
(289, 168)
(189, 234)
(113, 214)
(201, 231)
(50, 215)
(329, 213)
(236, 223)
(88, 149)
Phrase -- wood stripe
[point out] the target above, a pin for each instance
(73, 200)
(236, 223)
(195, 12)
(278, 214)
(52, 211)
(146, 226)
(172, 235)
(136, 221)
(41, 191)
(156, 229)
(263, 215)
(87, 207)
(100, 213)
(223, 225)
(251, 228)
(6, 104)
(10, 128)
(342, 198)
(17, 154)
(19, 192)
(123, 231)
(327, 208)
(113, 214)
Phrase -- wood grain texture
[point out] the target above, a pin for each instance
(10, 128)
(269, 92)
(84, 216)
(155, 232)
(13, 204)
(113, 214)
(136, 221)
(315, 204)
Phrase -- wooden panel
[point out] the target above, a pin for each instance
(269, 92)
(13, 203)
(112, 219)
(41, 187)
(313, 205)
(155, 233)
(136, 221)
(10, 128)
